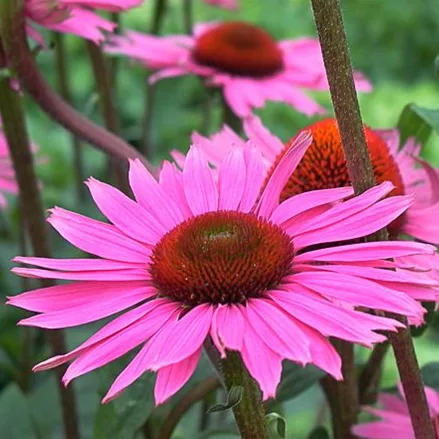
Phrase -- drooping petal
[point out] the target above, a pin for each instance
(121, 342)
(117, 299)
(162, 308)
(351, 289)
(263, 364)
(170, 379)
(228, 327)
(281, 333)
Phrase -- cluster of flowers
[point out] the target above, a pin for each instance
(251, 243)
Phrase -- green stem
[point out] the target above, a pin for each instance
(368, 382)
(103, 82)
(249, 412)
(329, 23)
(343, 395)
(18, 142)
(62, 70)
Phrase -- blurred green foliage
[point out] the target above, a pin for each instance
(394, 42)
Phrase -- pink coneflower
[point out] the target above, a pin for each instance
(75, 16)
(242, 59)
(7, 174)
(196, 257)
(395, 418)
(324, 166)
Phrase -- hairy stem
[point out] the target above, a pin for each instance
(32, 211)
(329, 23)
(62, 70)
(370, 374)
(21, 59)
(342, 396)
(196, 394)
(249, 412)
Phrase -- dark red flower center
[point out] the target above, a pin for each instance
(221, 257)
(239, 48)
(324, 166)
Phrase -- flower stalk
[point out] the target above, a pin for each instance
(62, 70)
(249, 412)
(329, 23)
(32, 211)
(103, 80)
(23, 63)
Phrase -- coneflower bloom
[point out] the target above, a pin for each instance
(196, 257)
(74, 16)
(244, 60)
(324, 166)
(395, 418)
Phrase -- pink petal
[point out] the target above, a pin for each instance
(117, 299)
(129, 274)
(281, 333)
(183, 339)
(351, 289)
(128, 216)
(170, 379)
(255, 176)
(286, 166)
(357, 225)
(330, 319)
(267, 143)
(199, 185)
(288, 214)
(139, 365)
(162, 309)
(263, 364)
(64, 297)
(171, 180)
(97, 238)
(228, 328)
(365, 252)
(153, 197)
(231, 181)
(120, 343)
(77, 264)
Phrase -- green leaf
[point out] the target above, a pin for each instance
(281, 425)
(233, 398)
(295, 380)
(123, 417)
(429, 319)
(430, 374)
(417, 122)
(319, 433)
